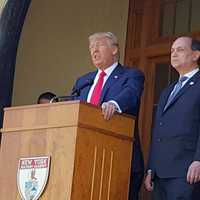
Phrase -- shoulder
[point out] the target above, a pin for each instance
(131, 69)
(88, 76)
(132, 72)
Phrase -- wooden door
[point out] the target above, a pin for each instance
(152, 27)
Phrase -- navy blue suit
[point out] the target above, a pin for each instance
(175, 140)
(124, 86)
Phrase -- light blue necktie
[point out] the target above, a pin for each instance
(177, 88)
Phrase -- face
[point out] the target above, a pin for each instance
(102, 52)
(182, 56)
(42, 101)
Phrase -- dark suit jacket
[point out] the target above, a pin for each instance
(175, 139)
(124, 86)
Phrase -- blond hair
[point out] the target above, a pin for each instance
(111, 38)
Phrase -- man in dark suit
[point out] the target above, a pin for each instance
(174, 161)
(114, 87)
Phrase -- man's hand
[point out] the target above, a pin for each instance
(108, 110)
(193, 174)
(148, 183)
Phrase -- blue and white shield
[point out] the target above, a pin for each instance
(32, 176)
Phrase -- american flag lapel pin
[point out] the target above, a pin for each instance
(191, 83)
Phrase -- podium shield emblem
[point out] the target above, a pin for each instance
(32, 176)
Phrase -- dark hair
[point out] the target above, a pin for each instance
(195, 46)
(46, 95)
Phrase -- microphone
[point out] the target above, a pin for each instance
(62, 98)
(75, 92)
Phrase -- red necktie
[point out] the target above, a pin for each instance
(96, 94)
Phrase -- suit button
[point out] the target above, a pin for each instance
(160, 123)
(159, 140)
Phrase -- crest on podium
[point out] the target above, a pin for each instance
(32, 176)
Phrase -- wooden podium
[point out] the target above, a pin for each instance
(90, 157)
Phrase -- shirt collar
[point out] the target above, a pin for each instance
(191, 73)
(109, 70)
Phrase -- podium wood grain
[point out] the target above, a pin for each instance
(90, 157)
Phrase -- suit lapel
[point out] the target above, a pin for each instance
(189, 84)
(85, 92)
(114, 77)
(165, 97)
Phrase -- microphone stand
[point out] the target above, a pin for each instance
(74, 93)
(62, 98)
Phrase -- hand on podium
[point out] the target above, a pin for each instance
(108, 110)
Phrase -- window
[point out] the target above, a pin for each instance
(179, 17)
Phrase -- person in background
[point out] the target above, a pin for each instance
(45, 97)
(174, 160)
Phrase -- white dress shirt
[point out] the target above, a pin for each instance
(108, 72)
(188, 75)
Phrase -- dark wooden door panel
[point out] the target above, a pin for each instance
(149, 38)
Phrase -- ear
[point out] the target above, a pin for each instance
(114, 50)
(196, 55)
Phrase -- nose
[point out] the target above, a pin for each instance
(94, 48)
(174, 53)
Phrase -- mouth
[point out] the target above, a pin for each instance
(95, 57)
(174, 59)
